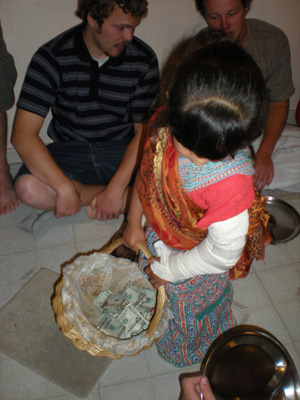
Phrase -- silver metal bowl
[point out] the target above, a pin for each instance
(249, 363)
(284, 223)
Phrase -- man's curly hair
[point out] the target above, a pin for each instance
(101, 9)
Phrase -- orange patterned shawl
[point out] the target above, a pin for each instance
(173, 215)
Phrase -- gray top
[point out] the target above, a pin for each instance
(269, 47)
(8, 75)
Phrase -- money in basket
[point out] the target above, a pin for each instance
(104, 305)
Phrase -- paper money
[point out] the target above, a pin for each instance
(111, 326)
(134, 295)
(133, 320)
(100, 299)
(115, 302)
(126, 313)
(150, 298)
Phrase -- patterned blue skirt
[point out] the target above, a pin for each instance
(201, 309)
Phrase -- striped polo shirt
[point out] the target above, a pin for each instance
(88, 102)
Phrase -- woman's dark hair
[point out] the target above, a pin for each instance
(200, 6)
(101, 9)
(217, 101)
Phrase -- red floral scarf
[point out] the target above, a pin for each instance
(173, 215)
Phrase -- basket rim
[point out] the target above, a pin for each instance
(70, 331)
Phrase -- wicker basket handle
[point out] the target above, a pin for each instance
(161, 296)
(142, 246)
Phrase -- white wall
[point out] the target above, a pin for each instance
(27, 24)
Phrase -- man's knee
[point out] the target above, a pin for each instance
(27, 188)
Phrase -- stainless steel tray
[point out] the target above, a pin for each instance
(248, 363)
(284, 221)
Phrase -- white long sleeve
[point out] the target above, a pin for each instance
(218, 252)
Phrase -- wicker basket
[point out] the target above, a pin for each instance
(150, 336)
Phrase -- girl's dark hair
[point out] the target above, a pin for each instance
(200, 6)
(217, 101)
(101, 9)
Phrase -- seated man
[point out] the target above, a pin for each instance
(277, 161)
(8, 74)
(99, 81)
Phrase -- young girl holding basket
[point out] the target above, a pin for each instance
(206, 221)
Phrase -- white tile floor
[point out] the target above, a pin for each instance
(269, 297)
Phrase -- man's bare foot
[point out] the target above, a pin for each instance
(87, 195)
(8, 199)
(91, 212)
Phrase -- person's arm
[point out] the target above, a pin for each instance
(217, 253)
(276, 119)
(134, 232)
(109, 202)
(35, 155)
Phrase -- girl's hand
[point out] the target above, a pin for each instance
(155, 280)
(132, 235)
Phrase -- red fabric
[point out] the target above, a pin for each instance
(174, 216)
(224, 199)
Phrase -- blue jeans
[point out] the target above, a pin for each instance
(89, 163)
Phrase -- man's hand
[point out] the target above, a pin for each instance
(264, 170)
(113, 200)
(67, 203)
(276, 119)
(155, 280)
(107, 205)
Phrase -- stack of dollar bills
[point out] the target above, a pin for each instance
(126, 313)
